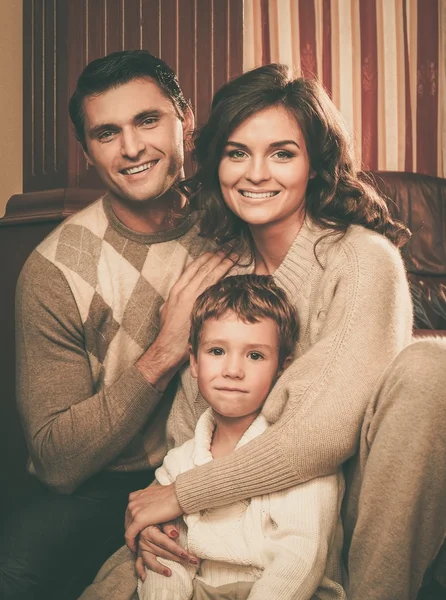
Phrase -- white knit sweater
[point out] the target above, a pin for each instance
(288, 543)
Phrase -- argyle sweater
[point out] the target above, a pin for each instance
(87, 307)
(355, 312)
(288, 543)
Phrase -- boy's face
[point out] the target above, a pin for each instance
(134, 138)
(236, 364)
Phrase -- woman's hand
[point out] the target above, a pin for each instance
(158, 541)
(151, 506)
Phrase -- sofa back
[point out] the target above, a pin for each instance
(420, 202)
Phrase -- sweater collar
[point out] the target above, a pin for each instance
(300, 261)
(148, 238)
(205, 430)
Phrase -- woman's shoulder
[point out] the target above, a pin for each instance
(360, 244)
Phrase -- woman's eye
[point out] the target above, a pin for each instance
(237, 154)
(216, 351)
(255, 356)
(283, 155)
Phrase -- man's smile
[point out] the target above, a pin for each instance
(140, 168)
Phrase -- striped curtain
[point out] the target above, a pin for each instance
(383, 62)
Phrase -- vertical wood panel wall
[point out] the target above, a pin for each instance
(202, 40)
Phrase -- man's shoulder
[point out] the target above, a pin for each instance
(192, 240)
(92, 219)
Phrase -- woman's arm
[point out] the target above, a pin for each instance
(318, 404)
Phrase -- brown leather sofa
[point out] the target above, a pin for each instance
(419, 199)
(420, 202)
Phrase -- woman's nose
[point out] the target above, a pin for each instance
(257, 171)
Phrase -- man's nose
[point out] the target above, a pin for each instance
(131, 143)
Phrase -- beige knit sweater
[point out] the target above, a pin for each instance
(87, 307)
(355, 313)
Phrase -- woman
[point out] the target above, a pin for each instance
(277, 184)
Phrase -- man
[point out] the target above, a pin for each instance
(94, 361)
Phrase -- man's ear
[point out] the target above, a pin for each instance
(193, 363)
(188, 128)
(87, 156)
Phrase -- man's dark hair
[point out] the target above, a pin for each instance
(118, 68)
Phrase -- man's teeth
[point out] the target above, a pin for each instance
(258, 195)
(139, 169)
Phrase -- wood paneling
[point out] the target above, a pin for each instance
(200, 39)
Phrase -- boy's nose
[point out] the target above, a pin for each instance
(233, 368)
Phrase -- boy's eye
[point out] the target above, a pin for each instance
(216, 351)
(255, 356)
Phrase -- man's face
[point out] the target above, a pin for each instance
(134, 138)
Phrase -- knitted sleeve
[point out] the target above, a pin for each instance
(361, 319)
(299, 535)
(72, 430)
(187, 407)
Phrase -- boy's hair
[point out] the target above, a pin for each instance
(119, 68)
(251, 298)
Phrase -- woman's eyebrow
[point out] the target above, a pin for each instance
(272, 145)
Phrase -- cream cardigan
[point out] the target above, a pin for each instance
(289, 543)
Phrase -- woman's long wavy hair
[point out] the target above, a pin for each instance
(335, 197)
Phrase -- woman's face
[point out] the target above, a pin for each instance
(264, 170)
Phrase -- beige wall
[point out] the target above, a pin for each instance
(10, 100)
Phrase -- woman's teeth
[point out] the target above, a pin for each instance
(258, 195)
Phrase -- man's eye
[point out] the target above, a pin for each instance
(105, 136)
(216, 351)
(256, 356)
(149, 121)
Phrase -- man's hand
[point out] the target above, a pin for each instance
(151, 506)
(158, 541)
(170, 349)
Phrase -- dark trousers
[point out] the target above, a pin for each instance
(51, 545)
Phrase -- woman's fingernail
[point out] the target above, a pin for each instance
(183, 555)
(166, 572)
(174, 533)
(193, 561)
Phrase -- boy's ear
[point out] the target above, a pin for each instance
(193, 363)
(285, 365)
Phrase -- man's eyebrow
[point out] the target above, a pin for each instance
(145, 114)
(278, 144)
(148, 113)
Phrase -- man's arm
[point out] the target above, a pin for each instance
(72, 429)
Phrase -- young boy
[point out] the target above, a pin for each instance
(278, 546)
